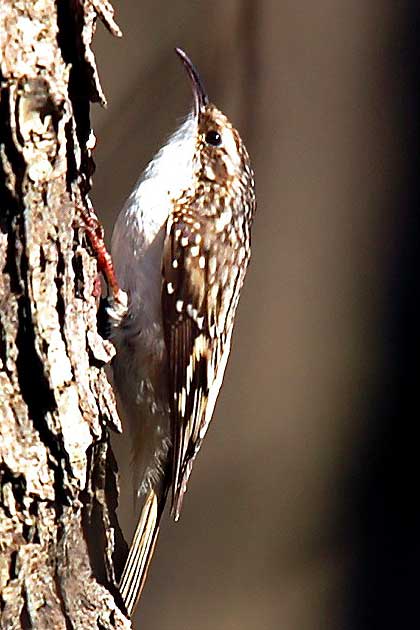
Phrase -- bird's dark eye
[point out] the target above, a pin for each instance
(214, 138)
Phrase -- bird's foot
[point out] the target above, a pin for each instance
(95, 234)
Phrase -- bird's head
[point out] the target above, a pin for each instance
(220, 152)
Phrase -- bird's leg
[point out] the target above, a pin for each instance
(117, 302)
(95, 233)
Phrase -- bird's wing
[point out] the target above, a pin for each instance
(197, 337)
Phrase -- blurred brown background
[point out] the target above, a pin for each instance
(303, 509)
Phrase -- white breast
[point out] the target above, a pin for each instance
(137, 241)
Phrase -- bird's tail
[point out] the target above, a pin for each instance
(141, 551)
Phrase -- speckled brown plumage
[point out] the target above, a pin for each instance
(206, 253)
(181, 247)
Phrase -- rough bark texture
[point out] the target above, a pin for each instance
(58, 482)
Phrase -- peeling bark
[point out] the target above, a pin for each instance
(57, 476)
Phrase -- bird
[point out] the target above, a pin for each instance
(180, 248)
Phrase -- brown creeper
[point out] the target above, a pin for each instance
(181, 247)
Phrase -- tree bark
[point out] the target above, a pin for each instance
(58, 489)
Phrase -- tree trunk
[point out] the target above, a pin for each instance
(58, 494)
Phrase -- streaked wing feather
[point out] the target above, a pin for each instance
(190, 348)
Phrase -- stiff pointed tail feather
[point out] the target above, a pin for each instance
(141, 552)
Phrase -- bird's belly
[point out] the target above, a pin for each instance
(141, 384)
(140, 367)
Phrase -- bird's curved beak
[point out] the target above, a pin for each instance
(200, 96)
